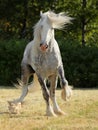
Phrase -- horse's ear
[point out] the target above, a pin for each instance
(49, 18)
(41, 13)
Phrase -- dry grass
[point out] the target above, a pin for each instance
(82, 112)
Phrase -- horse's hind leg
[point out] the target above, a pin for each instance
(66, 90)
(53, 84)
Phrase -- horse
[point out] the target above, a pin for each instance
(42, 59)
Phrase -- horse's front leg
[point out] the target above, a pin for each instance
(46, 95)
(25, 74)
(53, 84)
(66, 89)
(15, 106)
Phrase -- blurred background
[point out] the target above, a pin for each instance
(78, 41)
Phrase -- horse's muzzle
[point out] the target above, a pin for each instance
(43, 47)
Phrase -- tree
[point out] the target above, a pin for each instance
(83, 22)
(19, 17)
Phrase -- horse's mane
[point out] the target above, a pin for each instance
(58, 21)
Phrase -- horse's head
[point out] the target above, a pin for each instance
(45, 27)
(46, 31)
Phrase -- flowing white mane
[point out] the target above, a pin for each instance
(57, 20)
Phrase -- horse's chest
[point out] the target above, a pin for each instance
(46, 64)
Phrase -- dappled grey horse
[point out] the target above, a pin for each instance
(42, 57)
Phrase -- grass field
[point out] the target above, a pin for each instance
(82, 111)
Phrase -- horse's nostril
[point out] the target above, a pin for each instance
(46, 46)
(41, 44)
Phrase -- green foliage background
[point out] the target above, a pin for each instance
(80, 56)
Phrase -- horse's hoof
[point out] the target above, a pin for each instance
(66, 93)
(14, 108)
(51, 115)
(50, 112)
(63, 95)
(60, 112)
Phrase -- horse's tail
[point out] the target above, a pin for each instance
(33, 86)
